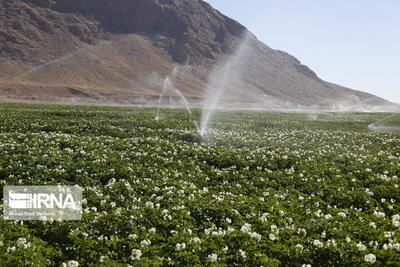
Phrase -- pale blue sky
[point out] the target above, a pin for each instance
(355, 43)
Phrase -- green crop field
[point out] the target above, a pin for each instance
(263, 189)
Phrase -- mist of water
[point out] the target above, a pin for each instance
(376, 124)
(61, 59)
(220, 82)
(163, 90)
(38, 68)
(187, 106)
(168, 85)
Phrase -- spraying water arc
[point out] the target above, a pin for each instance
(61, 59)
(169, 85)
(220, 81)
(166, 84)
(215, 97)
(373, 125)
(164, 89)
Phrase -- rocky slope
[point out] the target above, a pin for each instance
(119, 51)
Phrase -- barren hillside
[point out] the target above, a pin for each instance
(119, 51)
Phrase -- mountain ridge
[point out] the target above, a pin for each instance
(122, 49)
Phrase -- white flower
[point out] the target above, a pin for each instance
(361, 247)
(152, 230)
(255, 236)
(318, 213)
(174, 232)
(213, 257)
(299, 247)
(242, 253)
(348, 239)
(149, 204)
(369, 192)
(180, 246)
(332, 242)
(342, 214)
(379, 214)
(145, 243)
(370, 258)
(228, 220)
(136, 254)
(246, 228)
(73, 264)
(318, 243)
(195, 240)
(11, 249)
(132, 236)
(272, 237)
(21, 241)
(388, 234)
(306, 265)
(396, 220)
(302, 231)
(263, 217)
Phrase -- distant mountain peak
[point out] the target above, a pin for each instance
(111, 50)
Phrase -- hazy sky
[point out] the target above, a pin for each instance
(355, 43)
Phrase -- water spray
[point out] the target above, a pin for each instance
(220, 79)
(68, 56)
(164, 89)
(168, 85)
(373, 125)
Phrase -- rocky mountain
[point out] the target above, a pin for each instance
(120, 51)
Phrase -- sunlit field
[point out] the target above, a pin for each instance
(260, 189)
